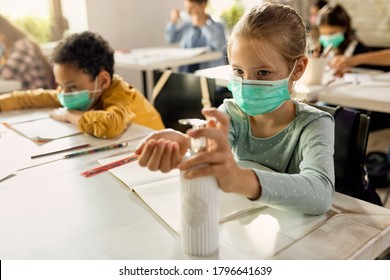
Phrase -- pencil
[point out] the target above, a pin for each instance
(105, 148)
(60, 151)
(109, 166)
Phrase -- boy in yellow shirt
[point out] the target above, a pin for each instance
(93, 98)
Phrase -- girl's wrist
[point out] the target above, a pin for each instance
(246, 183)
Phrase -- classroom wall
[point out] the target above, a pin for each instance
(129, 24)
(371, 19)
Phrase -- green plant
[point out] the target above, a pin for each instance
(39, 28)
(233, 14)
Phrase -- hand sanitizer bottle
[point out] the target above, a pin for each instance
(199, 205)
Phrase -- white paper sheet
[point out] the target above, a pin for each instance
(46, 129)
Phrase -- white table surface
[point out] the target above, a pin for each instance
(356, 96)
(9, 85)
(50, 211)
(151, 59)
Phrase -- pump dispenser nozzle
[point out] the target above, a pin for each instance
(197, 144)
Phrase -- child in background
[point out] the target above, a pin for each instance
(335, 27)
(314, 8)
(201, 30)
(94, 99)
(314, 45)
(261, 123)
(22, 58)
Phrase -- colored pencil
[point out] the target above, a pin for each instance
(105, 148)
(108, 166)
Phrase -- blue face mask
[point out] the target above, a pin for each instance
(257, 97)
(335, 39)
(79, 100)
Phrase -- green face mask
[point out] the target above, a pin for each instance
(257, 97)
(79, 100)
(336, 40)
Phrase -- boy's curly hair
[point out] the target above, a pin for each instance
(88, 51)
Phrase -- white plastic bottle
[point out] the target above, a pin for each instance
(199, 205)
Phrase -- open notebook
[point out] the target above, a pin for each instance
(161, 192)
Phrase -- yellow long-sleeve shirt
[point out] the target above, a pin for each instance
(117, 107)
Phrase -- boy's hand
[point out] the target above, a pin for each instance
(175, 16)
(163, 150)
(65, 115)
(59, 114)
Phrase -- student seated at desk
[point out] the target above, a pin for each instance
(261, 123)
(94, 99)
(200, 31)
(335, 28)
(22, 58)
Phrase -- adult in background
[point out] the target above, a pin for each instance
(195, 28)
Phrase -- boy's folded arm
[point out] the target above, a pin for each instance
(105, 124)
(38, 98)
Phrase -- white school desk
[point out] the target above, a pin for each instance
(9, 85)
(51, 212)
(374, 98)
(148, 60)
(370, 98)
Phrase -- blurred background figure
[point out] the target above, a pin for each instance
(335, 28)
(195, 28)
(314, 9)
(314, 45)
(22, 58)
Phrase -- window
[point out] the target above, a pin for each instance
(42, 19)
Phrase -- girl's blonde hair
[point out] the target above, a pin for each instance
(276, 25)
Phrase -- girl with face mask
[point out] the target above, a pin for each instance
(335, 28)
(261, 124)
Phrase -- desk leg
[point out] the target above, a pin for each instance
(144, 83)
(149, 83)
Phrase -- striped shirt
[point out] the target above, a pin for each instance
(24, 64)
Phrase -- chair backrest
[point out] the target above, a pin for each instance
(180, 97)
(351, 135)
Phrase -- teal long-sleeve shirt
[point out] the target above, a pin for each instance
(301, 157)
